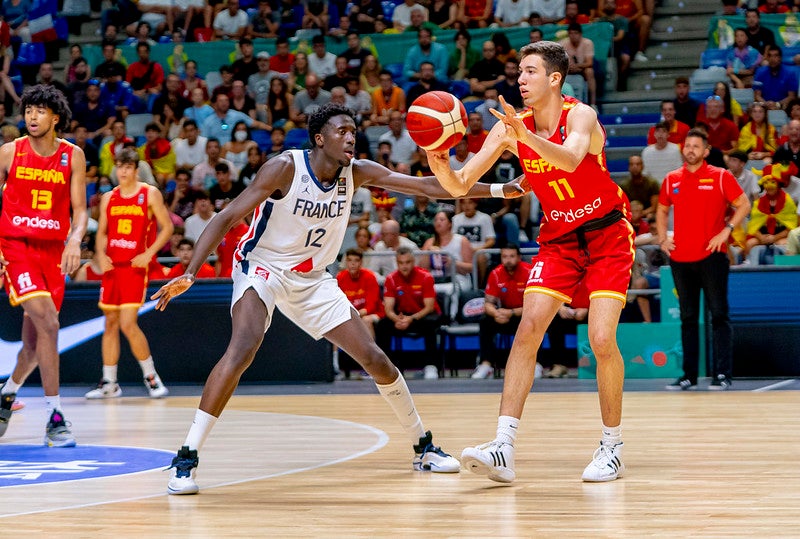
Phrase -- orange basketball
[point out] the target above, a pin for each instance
(436, 121)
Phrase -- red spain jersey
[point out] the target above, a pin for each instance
(128, 225)
(508, 288)
(363, 291)
(36, 197)
(569, 199)
(409, 293)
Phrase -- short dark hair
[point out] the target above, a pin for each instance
(738, 154)
(354, 251)
(321, 116)
(699, 133)
(319, 38)
(185, 171)
(574, 26)
(245, 41)
(662, 125)
(512, 245)
(127, 156)
(152, 126)
(186, 241)
(222, 167)
(403, 250)
(681, 80)
(50, 97)
(189, 123)
(553, 55)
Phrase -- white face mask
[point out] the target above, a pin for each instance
(240, 136)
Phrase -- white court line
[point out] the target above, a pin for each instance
(776, 385)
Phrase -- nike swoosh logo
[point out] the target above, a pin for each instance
(68, 338)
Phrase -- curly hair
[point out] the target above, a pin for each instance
(50, 97)
(321, 116)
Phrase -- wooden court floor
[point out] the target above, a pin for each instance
(698, 464)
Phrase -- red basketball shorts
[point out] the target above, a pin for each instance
(33, 270)
(575, 275)
(123, 286)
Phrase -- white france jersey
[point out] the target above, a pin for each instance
(303, 230)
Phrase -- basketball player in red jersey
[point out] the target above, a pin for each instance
(128, 213)
(586, 245)
(44, 179)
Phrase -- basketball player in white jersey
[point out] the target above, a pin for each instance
(300, 201)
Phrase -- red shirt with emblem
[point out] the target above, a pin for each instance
(569, 199)
(700, 202)
(228, 246)
(363, 291)
(129, 225)
(409, 293)
(508, 288)
(36, 197)
(206, 271)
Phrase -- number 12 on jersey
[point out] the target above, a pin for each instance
(314, 236)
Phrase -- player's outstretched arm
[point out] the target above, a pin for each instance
(273, 179)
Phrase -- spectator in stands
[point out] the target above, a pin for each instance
(219, 125)
(359, 102)
(621, 46)
(142, 34)
(722, 132)
(490, 102)
(508, 87)
(307, 101)
(742, 60)
(281, 62)
(81, 135)
(191, 149)
(279, 105)
(572, 14)
(510, 13)
(443, 13)
(478, 228)
(185, 252)
(475, 13)
(109, 150)
(698, 256)
(340, 76)
(732, 110)
(418, 22)
(262, 22)
(204, 175)
(426, 51)
(745, 177)
(315, 15)
(277, 142)
(171, 96)
(362, 15)
(361, 287)
(145, 76)
(757, 137)
(199, 110)
(403, 146)
(223, 267)
(203, 213)
(231, 23)
(387, 99)
(321, 61)
(639, 187)
(486, 72)
(463, 56)
(181, 200)
(259, 82)
(639, 22)
(110, 66)
(772, 216)
(760, 38)
(225, 189)
(355, 53)
(641, 279)
(428, 82)
(401, 16)
(390, 240)
(97, 117)
(676, 129)
(685, 106)
(15, 13)
(226, 84)
(157, 152)
(548, 11)
(662, 156)
(581, 59)
(236, 150)
(416, 221)
(47, 76)
(793, 242)
(503, 305)
(341, 31)
(300, 69)
(476, 134)
(461, 154)
(773, 7)
(409, 300)
(191, 81)
(255, 158)
(242, 102)
(246, 65)
(789, 152)
(79, 77)
(457, 250)
(778, 83)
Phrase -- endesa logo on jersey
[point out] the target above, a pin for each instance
(123, 244)
(39, 175)
(573, 214)
(36, 222)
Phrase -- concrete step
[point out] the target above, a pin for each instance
(682, 35)
(629, 130)
(677, 23)
(631, 107)
(633, 96)
(615, 154)
(643, 81)
(687, 8)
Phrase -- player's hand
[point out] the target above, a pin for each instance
(172, 289)
(517, 187)
(668, 245)
(718, 242)
(105, 262)
(514, 125)
(142, 260)
(70, 258)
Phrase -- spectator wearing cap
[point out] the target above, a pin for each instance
(321, 61)
(263, 22)
(773, 215)
(258, 83)
(745, 177)
(282, 60)
(662, 156)
(230, 23)
(225, 189)
(92, 113)
(246, 65)
(220, 124)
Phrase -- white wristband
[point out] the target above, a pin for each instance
(496, 189)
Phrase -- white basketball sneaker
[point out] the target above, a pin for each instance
(492, 459)
(105, 390)
(606, 464)
(431, 458)
(184, 466)
(155, 387)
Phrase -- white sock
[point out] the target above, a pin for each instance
(10, 387)
(507, 429)
(399, 398)
(148, 368)
(200, 429)
(52, 403)
(110, 373)
(612, 435)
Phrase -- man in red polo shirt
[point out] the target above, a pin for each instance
(361, 287)
(504, 291)
(701, 194)
(722, 132)
(476, 134)
(409, 299)
(677, 129)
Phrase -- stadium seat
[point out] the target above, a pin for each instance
(714, 57)
(619, 142)
(30, 54)
(213, 79)
(135, 124)
(460, 88)
(470, 106)
(388, 9)
(463, 335)
(262, 138)
(396, 69)
(296, 138)
(743, 96)
(617, 165)
(789, 53)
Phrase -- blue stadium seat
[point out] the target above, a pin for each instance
(62, 28)
(714, 57)
(701, 95)
(620, 142)
(396, 69)
(388, 9)
(472, 105)
(460, 88)
(262, 138)
(639, 118)
(617, 165)
(30, 54)
(296, 138)
(789, 53)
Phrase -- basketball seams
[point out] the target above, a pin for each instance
(436, 113)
